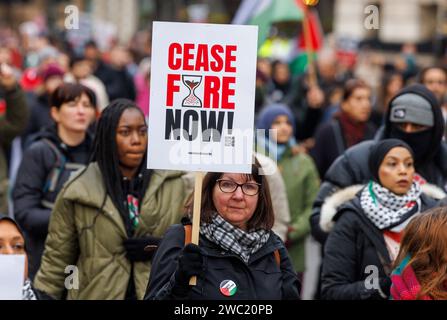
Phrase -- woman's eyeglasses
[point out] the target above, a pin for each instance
(248, 188)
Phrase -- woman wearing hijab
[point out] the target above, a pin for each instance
(12, 241)
(107, 214)
(365, 240)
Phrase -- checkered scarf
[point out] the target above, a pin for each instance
(233, 239)
(386, 209)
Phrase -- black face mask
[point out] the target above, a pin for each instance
(420, 142)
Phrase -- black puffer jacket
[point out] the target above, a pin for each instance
(352, 166)
(354, 250)
(261, 279)
(40, 177)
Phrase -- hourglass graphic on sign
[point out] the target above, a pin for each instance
(191, 82)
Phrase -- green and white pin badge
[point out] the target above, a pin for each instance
(228, 288)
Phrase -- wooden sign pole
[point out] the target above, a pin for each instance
(196, 215)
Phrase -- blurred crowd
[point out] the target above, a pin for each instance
(53, 95)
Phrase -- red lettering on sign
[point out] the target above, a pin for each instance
(171, 88)
(229, 58)
(174, 63)
(227, 92)
(211, 88)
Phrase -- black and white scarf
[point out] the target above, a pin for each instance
(233, 239)
(386, 209)
(27, 291)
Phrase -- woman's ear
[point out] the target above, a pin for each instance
(54, 112)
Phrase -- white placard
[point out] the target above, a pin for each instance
(12, 271)
(202, 96)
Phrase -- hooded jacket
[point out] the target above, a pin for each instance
(352, 166)
(355, 247)
(45, 167)
(87, 231)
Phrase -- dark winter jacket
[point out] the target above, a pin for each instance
(46, 166)
(261, 279)
(330, 143)
(118, 83)
(13, 119)
(40, 117)
(355, 252)
(352, 166)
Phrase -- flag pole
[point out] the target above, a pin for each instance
(196, 215)
(307, 39)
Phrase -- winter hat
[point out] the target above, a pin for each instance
(30, 79)
(269, 113)
(380, 150)
(411, 107)
(52, 70)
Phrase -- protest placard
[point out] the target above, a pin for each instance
(12, 271)
(202, 97)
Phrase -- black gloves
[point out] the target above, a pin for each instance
(135, 248)
(385, 286)
(190, 263)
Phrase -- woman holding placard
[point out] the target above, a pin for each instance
(108, 214)
(238, 256)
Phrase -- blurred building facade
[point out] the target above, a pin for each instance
(399, 21)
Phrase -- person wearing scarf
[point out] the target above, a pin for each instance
(298, 171)
(421, 267)
(12, 241)
(366, 238)
(238, 256)
(348, 127)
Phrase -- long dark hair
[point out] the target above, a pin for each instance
(105, 153)
(263, 217)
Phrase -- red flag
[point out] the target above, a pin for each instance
(315, 30)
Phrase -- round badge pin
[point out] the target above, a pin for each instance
(228, 288)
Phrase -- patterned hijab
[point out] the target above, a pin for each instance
(382, 207)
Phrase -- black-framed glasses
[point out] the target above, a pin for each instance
(248, 188)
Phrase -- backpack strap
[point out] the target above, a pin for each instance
(277, 257)
(53, 176)
(188, 233)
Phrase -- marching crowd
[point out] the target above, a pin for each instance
(362, 170)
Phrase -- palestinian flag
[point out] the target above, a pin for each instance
(264, 13)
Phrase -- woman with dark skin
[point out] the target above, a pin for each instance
(107, 215)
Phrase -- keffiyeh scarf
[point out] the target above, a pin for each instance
(224, 234)
(27, 291)
(386, 209)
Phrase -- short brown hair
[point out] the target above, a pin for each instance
(67, 92)
(351, 85)
(263, 217)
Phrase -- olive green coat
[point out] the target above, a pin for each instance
(302, 185)
(85, 233)
(12, 122)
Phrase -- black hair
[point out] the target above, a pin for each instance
(75, 59)
(67, 92)
(105, 153)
